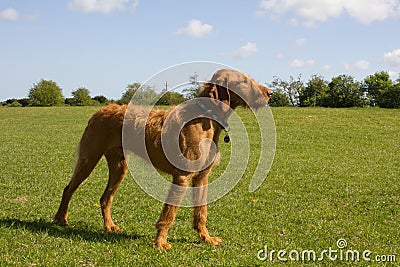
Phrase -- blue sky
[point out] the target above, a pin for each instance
(104, 45)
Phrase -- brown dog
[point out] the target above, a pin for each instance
(103, 136)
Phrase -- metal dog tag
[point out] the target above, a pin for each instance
(226, 138)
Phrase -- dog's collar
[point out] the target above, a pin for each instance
(214, 116)
(224, 125)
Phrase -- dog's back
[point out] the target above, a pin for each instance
(103, 131)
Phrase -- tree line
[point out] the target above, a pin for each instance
(341, 91)
(47, 93)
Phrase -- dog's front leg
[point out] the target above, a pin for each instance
(200, 182)
(167, 217)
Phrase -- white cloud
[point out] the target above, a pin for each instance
(33, 17)
(102, 6)
(358, 65)
(362, 65)
(279, 56)
(260, 13)
(301, 41)
(372, 10)
(394, 74)
(195, 28)
(300, 63)
(9, 14)
(134, 5)
(245, 51)
(310, 12)
(326, 67)
(392, 58)
(293, 22)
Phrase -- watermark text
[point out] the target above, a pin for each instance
(337, 253)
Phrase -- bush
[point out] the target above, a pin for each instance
(81, 97)
(171, 98)
(314, 92)
(279, 99)
(343, 91)
(46, 93)
(391, 97)
(14, 104)
(100, 99)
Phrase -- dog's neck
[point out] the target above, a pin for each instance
(221, 121)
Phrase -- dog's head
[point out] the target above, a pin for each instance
(235, 88)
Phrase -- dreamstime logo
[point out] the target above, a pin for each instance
(341, 243)
(166, 151)
(339, 253)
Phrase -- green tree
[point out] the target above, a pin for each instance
(146, 96)
(101, 99)
(391, 97)
(81, 97)
(292, 88)
(46, 93)
(376, 85)
(279, 99)
(176, 98)
(314, 92)
(130, 91)
(194, 89)
(14, 104)
(140, 94)
(22, 101)
(344, 91)
(171, 98)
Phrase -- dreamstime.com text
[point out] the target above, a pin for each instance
(338, 253)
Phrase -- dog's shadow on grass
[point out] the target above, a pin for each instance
(81, 233)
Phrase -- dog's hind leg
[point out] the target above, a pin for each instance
(117, 166)
(167, 217)
(83, 168)
(200, 183)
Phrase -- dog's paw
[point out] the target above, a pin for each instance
(112, 228)
(162, 245)
(214, 241)
(60, 221)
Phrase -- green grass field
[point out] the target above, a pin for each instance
(335, 176)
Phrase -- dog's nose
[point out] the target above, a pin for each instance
(270, 92)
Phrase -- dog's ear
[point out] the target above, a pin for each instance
(213, 92)
(221, 93)
(217, 92)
